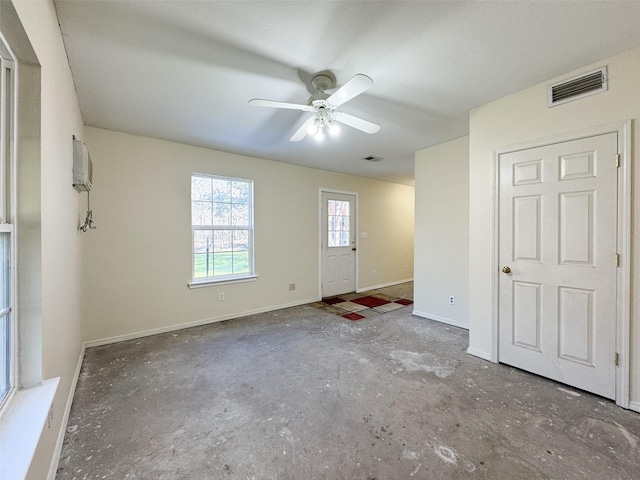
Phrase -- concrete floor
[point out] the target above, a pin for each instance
(302, 394)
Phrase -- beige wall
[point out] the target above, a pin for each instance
(138, 261)
(525, 117)
(442, 232)
(61, 209)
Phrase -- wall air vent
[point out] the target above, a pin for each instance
(372, 158)
(577, 87)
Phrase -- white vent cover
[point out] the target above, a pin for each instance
(577, 87)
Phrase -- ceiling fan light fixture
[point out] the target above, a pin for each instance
(323, 107)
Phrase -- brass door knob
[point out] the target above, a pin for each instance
(506, 270)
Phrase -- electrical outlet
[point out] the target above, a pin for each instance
(452, 300)
(221, 296)
(292, 286)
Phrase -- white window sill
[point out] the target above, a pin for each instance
(21, 426)
(223, 281)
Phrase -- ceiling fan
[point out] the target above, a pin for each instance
(323, 106)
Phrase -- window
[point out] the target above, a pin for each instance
(338, 223)
(222, 225)
(7, 326)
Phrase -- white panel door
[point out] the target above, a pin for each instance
(557, 288)
(338, 243)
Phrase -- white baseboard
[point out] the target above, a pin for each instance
(479, 353)
(436, 318)
(55, 459)
(635, 406)
(383, 285)
(196, 323)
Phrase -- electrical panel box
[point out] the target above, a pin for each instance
(82, 167)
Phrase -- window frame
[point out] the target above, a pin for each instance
(197, 282)
(8, 132)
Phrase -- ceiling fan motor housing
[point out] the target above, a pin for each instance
(322, 82)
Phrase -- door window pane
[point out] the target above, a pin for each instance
(338, 223)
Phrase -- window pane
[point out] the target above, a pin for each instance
(5, 355)
(201, 213)
(5, 318)
(338, 223)
(221, 190)
(333, 240)
(201, 188)
(222, 241)
(202, 241)
(241, 240)
(221, 214)
(200, 265)
(240, 215)
(240, 262)
(240, 192)
(5, 270)
(223, 263)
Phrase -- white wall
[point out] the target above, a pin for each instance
(523, 117)
(138, 261)
(61, 207)
(442, 232)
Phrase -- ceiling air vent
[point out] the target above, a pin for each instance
(372, 158)
(578, 87)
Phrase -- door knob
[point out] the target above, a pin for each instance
(506, 270)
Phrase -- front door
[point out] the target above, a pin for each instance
(338, 243)
(557, 288)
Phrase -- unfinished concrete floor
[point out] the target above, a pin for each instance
(302, 394)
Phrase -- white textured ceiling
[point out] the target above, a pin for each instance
(185, 70)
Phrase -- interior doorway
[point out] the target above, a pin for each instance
(561, 290)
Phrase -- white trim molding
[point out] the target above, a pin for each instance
(444, 320)
(195, 323)
(623, 324)
(479, 353)
(384, 285)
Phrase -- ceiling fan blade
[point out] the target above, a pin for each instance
(259, 102)
(302, 131)
(354, 87)
(355, 122)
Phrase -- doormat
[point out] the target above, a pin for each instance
(355, 306)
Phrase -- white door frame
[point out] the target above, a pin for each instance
(623, 309)
(320, 238)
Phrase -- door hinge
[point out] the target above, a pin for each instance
(616, 359)
(617, 259)
(617, 160)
